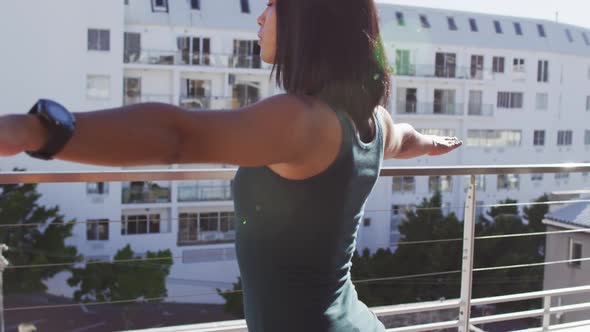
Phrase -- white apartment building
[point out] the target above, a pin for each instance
(515, 90)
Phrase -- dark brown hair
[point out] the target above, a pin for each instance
(333, 49)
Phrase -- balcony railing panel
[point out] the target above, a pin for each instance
(429, 108)
(185, 58)
(464, 303)
(444, 72)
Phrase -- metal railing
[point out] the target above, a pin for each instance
(130, 99)
(187, 58)
(448, 71)
(464, 323)
(429, 108)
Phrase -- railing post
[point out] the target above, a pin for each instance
(467, 268)
(3, 264)
(546, 312)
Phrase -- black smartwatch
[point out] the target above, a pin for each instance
(60, 124)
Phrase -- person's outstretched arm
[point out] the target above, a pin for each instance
(279, 129)
(402, 141)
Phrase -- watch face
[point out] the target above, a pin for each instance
(57, 112)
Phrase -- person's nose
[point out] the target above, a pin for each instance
(261, 19)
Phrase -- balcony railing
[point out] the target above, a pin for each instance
(480, 109)
(197, 193)
(184, 58)
(145, 195)
(130, 99)
(448, 71)
(429, 108)
(207, 103)
(463, 306)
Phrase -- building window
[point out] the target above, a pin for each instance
(246, 54)
(480, 182)
(509, 181)
(143, 224)
(517, 28)
(543, 71)
(569, 36)
(473, 25)
(541, 30)
(586, 137)
(518, 65)
(475, 106)
(160, 6)
(564, 137)
(586, 39)
(405, 184)
(245, 4)
(542, 101)
(490, 137)
(539, 138)
(100, 188)
(97, 230)
(575, 253)
(99, 40)
(445, 64)
(132, 47)
(207, 227)
(440, 183)
(194, 50)
(195, 4)
(536, 177)
(477, 64)
(437, 131)
(400, 19)
(587, 103)
(498, 27)
(424, 22)
(98, 87)
(498, 64)
(510, 99)
(452, 23)
(367, 222)
(562, 176)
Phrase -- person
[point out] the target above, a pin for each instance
(308, 158)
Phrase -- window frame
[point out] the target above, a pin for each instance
(539, 138)
(93, 227)
(165, 8)
(571, 252)
(89, 78)
(100, 35)
(245, 6)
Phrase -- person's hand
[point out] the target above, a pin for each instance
(15, 134)
(443, 144)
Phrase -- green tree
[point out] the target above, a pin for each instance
(116, 281)
(425, 224)
(234, 299)
(35, 235)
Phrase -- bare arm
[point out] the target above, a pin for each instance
(402, 141)
(279, 129)
(135, 135)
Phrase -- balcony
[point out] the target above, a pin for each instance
(466, 313)
(199, 193)
(444, 72)
(132, 98)
(144, 193)
(409, 108)
(480, 109)
(184, 58)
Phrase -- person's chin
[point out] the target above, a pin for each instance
(267, 59)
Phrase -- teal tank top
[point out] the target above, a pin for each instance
(295, 240)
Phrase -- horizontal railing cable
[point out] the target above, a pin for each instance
(373, 210)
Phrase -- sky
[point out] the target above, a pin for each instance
(574, 12)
